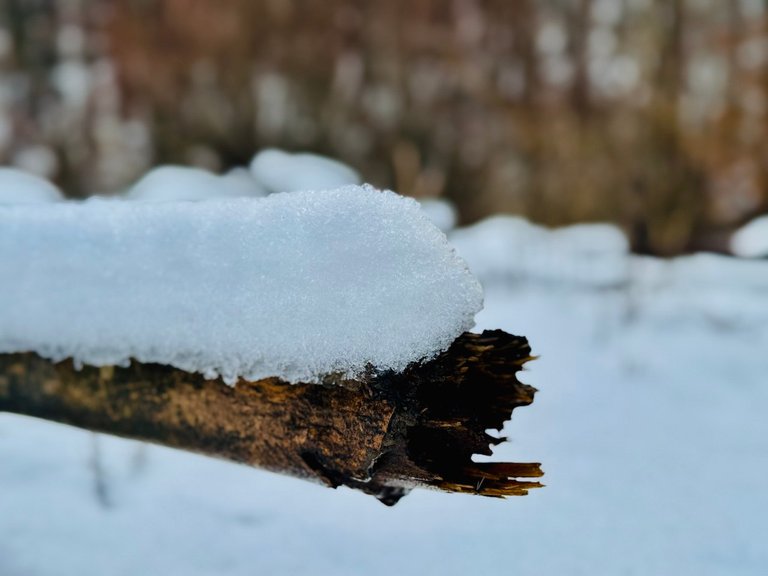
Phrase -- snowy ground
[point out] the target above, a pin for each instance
(650, 424)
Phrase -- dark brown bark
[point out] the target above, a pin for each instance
(383, 434)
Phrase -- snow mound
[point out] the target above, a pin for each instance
(175, 183)
(19, 187)
(510, 247)
(292, 285)
(441, 212)
(751, 240)
(279, 171)
(709, 289)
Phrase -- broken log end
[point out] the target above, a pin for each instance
(384, 434)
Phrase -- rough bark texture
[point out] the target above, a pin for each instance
(383, 434)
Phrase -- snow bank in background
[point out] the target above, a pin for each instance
(441, 212)
(719, 291)
(279, 171)
(239, 182)
(271, 171)
(509, 247)
(174, 183)
(19, 187)
(703, 288)
(751, 241)
(293, 285)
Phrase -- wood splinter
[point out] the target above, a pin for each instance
(383, 434)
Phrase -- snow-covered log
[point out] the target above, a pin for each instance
(295, 286)
(318, 334)
(383, 434)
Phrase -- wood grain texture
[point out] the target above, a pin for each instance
(383, 434)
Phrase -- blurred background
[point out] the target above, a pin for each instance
(650, 114)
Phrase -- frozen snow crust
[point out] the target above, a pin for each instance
(292, 285)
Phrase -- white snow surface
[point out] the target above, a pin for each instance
(279, 171)
(649, 421)
(751, 240)
(19, 187)
(513, 248)
(441, 212)
(175, 183)
(292, 285)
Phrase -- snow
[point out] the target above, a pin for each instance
(705, 290)
(292, 285)
(280, 171)
(751, 240)
(649, 422)
(513, 248)
(176, 183)
(239, 182)
(19, 187)
(651, 431)
(441, 212)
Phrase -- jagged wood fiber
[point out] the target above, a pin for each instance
(383, 433)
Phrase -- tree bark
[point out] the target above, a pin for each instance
(383, 434)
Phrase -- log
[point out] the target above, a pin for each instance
(383, 434)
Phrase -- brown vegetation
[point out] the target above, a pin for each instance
(649, 114)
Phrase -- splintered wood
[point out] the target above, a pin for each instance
(383, 434)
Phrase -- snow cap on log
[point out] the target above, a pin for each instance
(295, 286)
